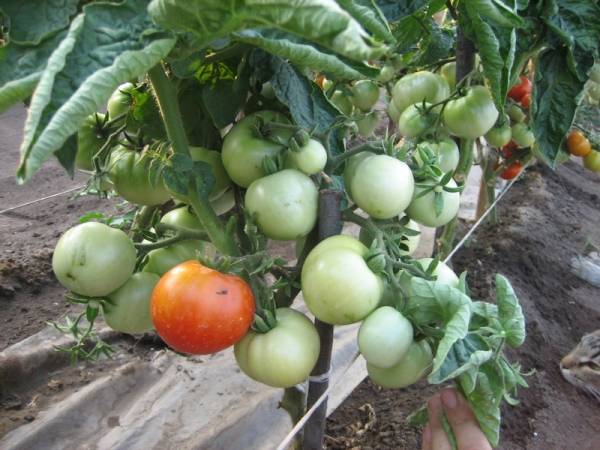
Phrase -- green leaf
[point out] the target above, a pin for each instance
(369, 16)
(465, 354)
(235, 91)
(485, 403)
(395, 10)
(510, 312)
(468, 379)
(319, 21)
(33, 22)
(304, 55)
(203, 178)
(438, 203)
(66, 155)
(175, 181)
(84, 70)
(497, 12)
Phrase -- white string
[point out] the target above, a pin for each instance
(12, 208)
(300, 424)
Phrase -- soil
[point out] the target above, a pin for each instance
(544, 221)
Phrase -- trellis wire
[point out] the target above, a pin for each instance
(300, 424)
(12, 208)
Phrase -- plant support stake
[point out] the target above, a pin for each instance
(330, 224)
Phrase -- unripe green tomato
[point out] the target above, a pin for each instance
(310, 159)
(422, 209)
(515, 113)
(365, 94)
(387, 73)
(382, 186)
(499, 137)
(129, 173)
(285, 355)
(129, 307)
(367, 124)
(418, 87)
(90, 139)
(93, 259)
(338, 286)
(448, 71)
(414, 121)
(384, 337)
(448, 154)
(393, 112)
(120, 100)
(342, 102)
(592, 161)
(522, 135)
(593, 91)
(223, 203)
(415, 365)
(182, 218)
(284, 204)
(243, 151)
(471, 116)
(352, 164)
(163, 259)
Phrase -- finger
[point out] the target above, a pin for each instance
(426, 444)
(439, 440)
(463, 422)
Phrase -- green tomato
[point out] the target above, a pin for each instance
(422, 209)
(418, 87)
(448, 71)
(448, 154)
(212, 158)
(367, 124)
(522, 135)
(593, 92)
(311, 159)
(120, 100)
(414, 121)
(284, 204)
(129, 174)
(415, 365)
(412, 242)
(499, 137)
(365, 94)
(393, 112)
(285, 355)
(382, 186)
(223, 203)
(471, 116)
(387, 73)
(385, 337)
(342, 102)
(129, 307)
(338, 286)
(515, 113)
(93, 259)
(592, 161)
(163, 259)
(243, 152)
(182, 218)
(352, 164)
(90, 139)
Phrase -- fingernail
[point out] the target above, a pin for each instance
(449, 398)
(427, 434)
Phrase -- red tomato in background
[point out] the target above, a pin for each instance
(519, 90)
(511, 171)
(199, 310)
(507, 150)
(526, 101)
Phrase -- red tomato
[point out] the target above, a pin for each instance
(512, 171)
(526, 101)
(507, 150)
(520, 89)
(199, 310)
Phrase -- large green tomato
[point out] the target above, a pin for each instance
(129, 307)
(448, 71)
(365, 94)
(471, 116)
(285, 355)
(93, 259)
(367, 124)
(130, 177)
(243, 151)
(515, 113)
(285, 204)
(310, 159)
(182, 218)
(499, 137)
(338, 286)
(414, 121)
(592, 161)
(90, 139)
(163, 259)
(385, 337)
(415, 365)
(522, 135)
(120, 101)
(382, 186)
(393, 112)
(352, 164)
(213, 158)
(412, 242)
(418, 87)
(448, 154)
(342, 102)
(387, 73)
(422, 209)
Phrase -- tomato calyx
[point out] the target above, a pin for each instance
(264, 321)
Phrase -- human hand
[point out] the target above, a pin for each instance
(460, 417)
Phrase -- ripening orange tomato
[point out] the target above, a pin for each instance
(578, 144)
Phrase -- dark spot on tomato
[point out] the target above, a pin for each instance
(222, 292)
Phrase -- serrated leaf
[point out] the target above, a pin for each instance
(465, 354)
(367, 13)
(203, 178)
(176, 181)
(83, 71)
(510, 312)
